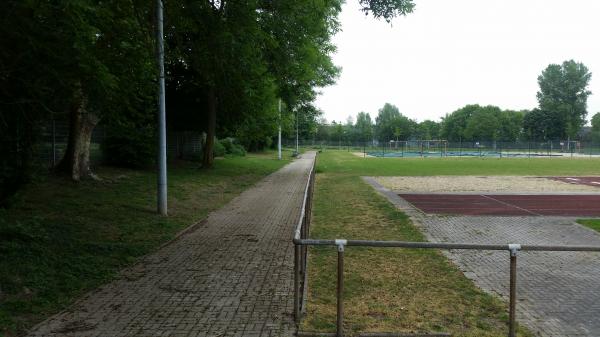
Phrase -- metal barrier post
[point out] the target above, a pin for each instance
(53, 143)
(297, 283)
(340, 287)
(512, 326)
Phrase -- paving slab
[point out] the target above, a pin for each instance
(231, 275)
(558, 293)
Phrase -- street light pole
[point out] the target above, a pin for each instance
(279, 137)
(162, 132)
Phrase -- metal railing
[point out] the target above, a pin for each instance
(302, 242)
(513, 250)
(301, 251)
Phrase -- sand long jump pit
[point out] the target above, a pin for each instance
(499, 195)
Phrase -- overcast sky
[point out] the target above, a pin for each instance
(451, 53)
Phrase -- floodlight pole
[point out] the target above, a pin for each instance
(297, 127)
(279, 137)
(162, 132)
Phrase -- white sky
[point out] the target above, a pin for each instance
(451, 53)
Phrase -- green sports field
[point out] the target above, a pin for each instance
(394, 289)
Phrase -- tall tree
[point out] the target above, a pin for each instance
(483, 124)
(428, 129)
(595, 121)
(364, 126)
(511, 125)
(455, 123)
(386, 122)
(563, 93)
(86, 59)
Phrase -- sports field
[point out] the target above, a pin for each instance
(499, 195)
(395, 290)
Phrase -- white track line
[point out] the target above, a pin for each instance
(510, 205)
(576, 179)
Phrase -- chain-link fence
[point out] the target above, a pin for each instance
(53, 144)
(50, 149)
(443, 148)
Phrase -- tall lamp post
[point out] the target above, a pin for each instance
(162, 132)
(279, 137)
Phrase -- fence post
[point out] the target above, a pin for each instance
(53, 143)
(297, 283)
(340, 287)
(512, 326)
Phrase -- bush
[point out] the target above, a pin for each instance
(129, 147)
(219, 149)
(232, 147)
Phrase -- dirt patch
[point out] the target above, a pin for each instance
(361, 154)
(507, 184)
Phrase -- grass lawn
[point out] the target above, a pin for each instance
(403, 290)
(60, 239)
(591, 223)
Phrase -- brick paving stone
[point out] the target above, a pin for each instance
(558, 293)
(230, 276)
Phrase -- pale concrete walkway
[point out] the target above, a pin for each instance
(230, 276)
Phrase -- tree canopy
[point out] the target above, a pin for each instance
(488, 123)
(563, 97)
(227, 64)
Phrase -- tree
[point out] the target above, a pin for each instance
(384, 122)
(487, 123)
(511, 125)
(364, 127)
(596, 127)
(563, 95)
(227, 62)
(427, 130)
(108, 69)
(543, 125)
(84, 59)
(387, 9)
(323, 130)
(483, 124)
(455, 123)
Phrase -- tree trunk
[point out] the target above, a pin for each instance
(76, 160)
(208, 155)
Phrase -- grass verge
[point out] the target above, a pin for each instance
(59, 239)
(391, 290)
(590, 223)
(345, 162)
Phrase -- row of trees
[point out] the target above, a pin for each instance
(389, 124)
(227, 65)
(561, 114)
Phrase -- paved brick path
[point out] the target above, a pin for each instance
(230, 276)
(558, 292)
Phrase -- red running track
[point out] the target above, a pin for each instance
(491, 204)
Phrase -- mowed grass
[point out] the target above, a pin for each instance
(60, 239)
(401, 290)
(347, 163)
(591, 223)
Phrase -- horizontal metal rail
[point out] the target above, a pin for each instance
(437, 245)
(512, 248)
